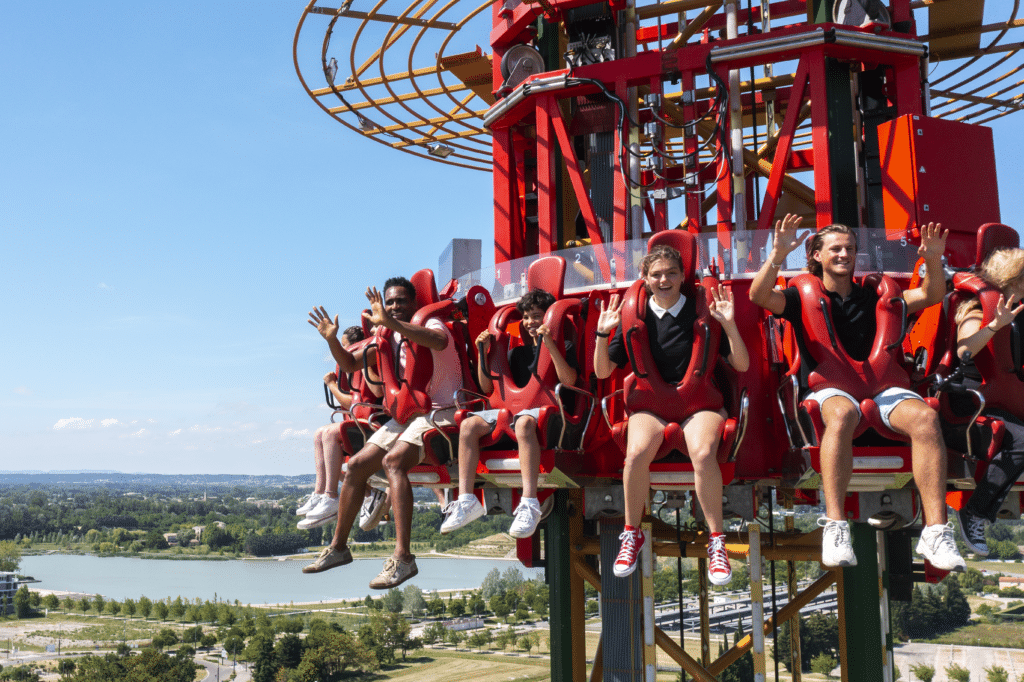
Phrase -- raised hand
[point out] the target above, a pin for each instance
(378, 313)
(786, 239)
(1005, 312)
(327, 327)
(330, 378)
(610, 317)
(933, 241)
(722, 308)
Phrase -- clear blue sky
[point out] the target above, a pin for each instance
(172, 205)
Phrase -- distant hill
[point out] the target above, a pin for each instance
(117, 479)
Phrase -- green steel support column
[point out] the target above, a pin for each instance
(819, 11)
(564, 526)
(861, 610)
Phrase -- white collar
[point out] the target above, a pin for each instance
(660, 312)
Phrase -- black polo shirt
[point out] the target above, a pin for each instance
(522, 360)
(671, 342)
(853, 319)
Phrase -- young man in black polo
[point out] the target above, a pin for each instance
(395, 446)
(832, 256)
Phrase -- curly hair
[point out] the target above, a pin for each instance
(400, 282)
(353, 334)
(660, 252)
(1003, 268)
(537, 298)
(818, 241)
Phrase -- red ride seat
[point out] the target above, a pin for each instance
(559, 428)
(645, 390)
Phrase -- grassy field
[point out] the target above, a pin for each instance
(1002, 635)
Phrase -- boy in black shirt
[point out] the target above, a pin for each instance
(522, 361)
(831, 256)
(669, 318)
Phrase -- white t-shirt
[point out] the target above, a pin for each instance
(447, 375)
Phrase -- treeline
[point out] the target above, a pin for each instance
(933, 610)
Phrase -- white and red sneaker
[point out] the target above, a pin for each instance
(629, 552)
(719, 570)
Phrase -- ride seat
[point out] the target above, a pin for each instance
(645, 390)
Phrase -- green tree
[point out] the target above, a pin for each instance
(499, 605)
(65, 666)
(145, 606)
(51, 602)
(113, 607)
(98, 603)
(10, 556)
(957, 673)
(457, 608)
(84, 604)
(528, 641)
(491, 584)
(234, 645)
(289, 651)
(412, 599)
(436, 606)
(456, 637)
(160, 610)
(68, 604)
(177, 608)
(997, 673)
(923, 672)
(165, 638)
(393, 600)
(823, 664)
(260, 651)
(435, 632)
(22, 607)
(971, 580)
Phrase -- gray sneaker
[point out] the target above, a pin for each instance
(972, 531)
(938, 546)
(329, 558)
(375, 506)
(394, 574)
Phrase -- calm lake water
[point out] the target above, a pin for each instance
(252, 582)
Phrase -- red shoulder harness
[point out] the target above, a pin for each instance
(1002, 385)
(835, 368)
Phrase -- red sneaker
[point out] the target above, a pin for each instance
(719, 570)
(629, 552)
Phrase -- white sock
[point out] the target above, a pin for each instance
(467, 497)
(531, 501)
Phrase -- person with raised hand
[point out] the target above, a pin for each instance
(669, 319)
(831, 257)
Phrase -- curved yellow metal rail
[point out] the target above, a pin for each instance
(416, 80)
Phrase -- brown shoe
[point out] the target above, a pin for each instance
(329, 558)
(394, 574)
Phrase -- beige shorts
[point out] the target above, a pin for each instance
(411, 432)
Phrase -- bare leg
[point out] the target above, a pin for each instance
(333, 454)
(645, 434)
(928, 455)
(470, 432)
(318, 460)
(841, 417)
(529, 454)
(397, 463)
(702, 432)
(361, 466)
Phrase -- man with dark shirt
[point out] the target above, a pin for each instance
(831, 256)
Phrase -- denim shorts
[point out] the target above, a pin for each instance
(887, 400)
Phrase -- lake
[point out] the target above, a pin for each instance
(249, 581)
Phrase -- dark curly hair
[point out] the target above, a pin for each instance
(400, 282)
(353, 334)
(538, 298)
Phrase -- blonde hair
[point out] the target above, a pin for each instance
(1002, 269)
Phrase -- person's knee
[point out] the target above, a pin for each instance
(474, 427)
(526, 427)
(400, 459)
(362, 465)
(924, 424)
(841, 416)
(703, 455)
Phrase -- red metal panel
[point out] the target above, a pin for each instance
(782, 150)
(504, 206)
(934, 170)
(819, 135)
(547, 204)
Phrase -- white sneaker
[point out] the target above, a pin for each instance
(938, 546)
(836, 547)
(375, 506)
(307, 523)
(527, 516)
(459, 513)
(326, 508)
(308, 505)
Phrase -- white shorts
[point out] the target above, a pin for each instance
(392, 431)
(887, 400)
(491, 416)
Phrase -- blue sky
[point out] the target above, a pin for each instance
(172, 205)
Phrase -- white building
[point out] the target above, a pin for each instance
(8, 586)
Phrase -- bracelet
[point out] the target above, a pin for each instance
(603, 336)
(777, 265)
